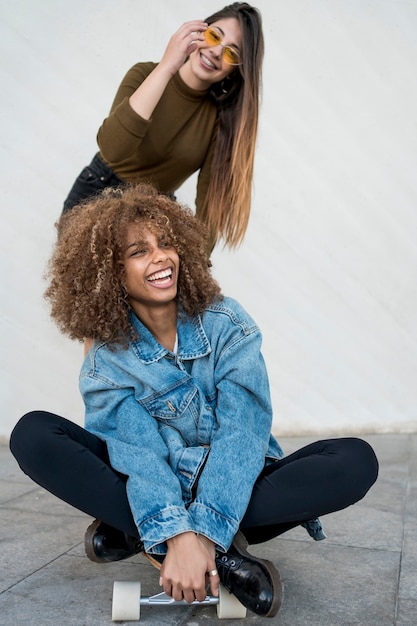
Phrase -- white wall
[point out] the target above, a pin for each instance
(328, 267)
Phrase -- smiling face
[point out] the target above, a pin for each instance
(206, 64)
(151, 267)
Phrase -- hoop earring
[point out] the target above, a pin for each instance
(226, 84)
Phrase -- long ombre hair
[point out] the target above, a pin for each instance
(228, 201)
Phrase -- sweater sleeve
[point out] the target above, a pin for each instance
(121, 132)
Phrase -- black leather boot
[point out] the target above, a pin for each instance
(104, 544)
(256, 583)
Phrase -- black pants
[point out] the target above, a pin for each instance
(73, 464)
(91, 181)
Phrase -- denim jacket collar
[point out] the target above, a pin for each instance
(192, 340)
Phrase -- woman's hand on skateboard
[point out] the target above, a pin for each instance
(189, 560)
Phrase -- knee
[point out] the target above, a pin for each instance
(26, 434)
(20, 433)
(363, 461)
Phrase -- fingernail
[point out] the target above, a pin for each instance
(160, 581)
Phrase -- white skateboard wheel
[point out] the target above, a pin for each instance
(229, 606)
(126, 601)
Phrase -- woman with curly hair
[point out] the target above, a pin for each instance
(194, 111)
(89, 290)
(176, 459)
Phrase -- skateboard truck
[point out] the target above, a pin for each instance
(127, 601)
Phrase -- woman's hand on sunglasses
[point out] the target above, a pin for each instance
(182, 44)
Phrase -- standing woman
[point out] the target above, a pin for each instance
(195, 110)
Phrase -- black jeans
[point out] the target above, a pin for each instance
(73, 464)
(92, 180)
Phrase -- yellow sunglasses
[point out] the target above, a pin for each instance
(230, 55)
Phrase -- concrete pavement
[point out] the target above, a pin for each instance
(365, 572)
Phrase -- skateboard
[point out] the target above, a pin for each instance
(127, 601)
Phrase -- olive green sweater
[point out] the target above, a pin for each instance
(177, 141)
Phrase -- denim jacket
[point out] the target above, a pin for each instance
(191, 430)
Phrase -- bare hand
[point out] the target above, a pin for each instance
(182, 44)
(186, 568)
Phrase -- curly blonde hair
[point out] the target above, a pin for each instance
(87, 291)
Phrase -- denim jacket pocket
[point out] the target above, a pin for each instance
(189, 468)
(187, 462)
(171, 405)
